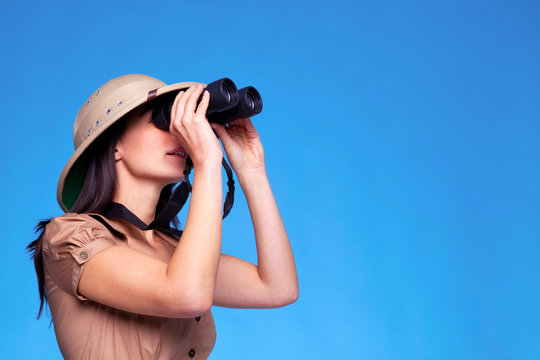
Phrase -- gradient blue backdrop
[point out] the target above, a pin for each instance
(402, 142)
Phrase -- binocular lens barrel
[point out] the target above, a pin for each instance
(250, 104)
(223, 95)
(227, 104)
(253, 98)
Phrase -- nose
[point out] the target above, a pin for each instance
(172, 138)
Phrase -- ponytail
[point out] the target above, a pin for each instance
(35, 248)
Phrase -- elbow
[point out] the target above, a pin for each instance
(197, 307)
(203, 305)
(186, 304)
(285, 297)
(292, 296)
(188, 308)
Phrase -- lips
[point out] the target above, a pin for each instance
(179, 152)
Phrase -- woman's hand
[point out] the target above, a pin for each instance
(190, 126)
(242, 145)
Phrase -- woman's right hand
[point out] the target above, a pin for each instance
(190, 126)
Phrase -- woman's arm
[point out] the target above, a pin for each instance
(273, 282)
(128, 280)
(131, 281)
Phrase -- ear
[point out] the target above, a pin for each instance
(118, 151)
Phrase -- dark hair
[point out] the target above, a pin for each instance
(96, 193)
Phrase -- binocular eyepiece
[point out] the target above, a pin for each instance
(227, 104)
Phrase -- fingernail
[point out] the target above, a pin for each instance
(199, 86)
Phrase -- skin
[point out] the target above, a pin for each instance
(198, 275)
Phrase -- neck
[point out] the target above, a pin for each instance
(139, 196)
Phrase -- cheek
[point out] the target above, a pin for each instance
(143, 142)
(140, 148)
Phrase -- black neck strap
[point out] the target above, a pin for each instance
(182, 198)
(229, 198)
(178, 199)
(116, 210)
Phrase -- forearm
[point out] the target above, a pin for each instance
(195, 261)
(276, 265)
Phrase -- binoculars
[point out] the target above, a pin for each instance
(227, 104)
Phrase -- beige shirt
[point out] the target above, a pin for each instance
(89, 330)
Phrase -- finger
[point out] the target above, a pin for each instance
(203, 105)
(173, 107)
(223, 135)
(249, 129)
(245, 122)
(191, 103)
(180, 107)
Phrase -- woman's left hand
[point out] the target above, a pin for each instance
(242, 144)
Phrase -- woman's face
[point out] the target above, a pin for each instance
(148, 153)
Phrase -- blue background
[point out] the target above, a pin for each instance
(402, 142)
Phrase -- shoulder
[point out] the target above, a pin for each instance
(69, 242)
(75, 221)
(78, 229)
(70, 222)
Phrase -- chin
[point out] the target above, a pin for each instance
(168, 179)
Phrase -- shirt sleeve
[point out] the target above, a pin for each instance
(70, 242)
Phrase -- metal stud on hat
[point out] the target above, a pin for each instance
(110, 103)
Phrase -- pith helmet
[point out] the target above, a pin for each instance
(103, 108)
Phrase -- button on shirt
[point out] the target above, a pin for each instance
(89, 330)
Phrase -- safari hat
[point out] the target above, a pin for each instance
(103, 108)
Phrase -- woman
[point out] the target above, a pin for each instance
(119, 290)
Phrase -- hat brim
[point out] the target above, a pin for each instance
(72, 176)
